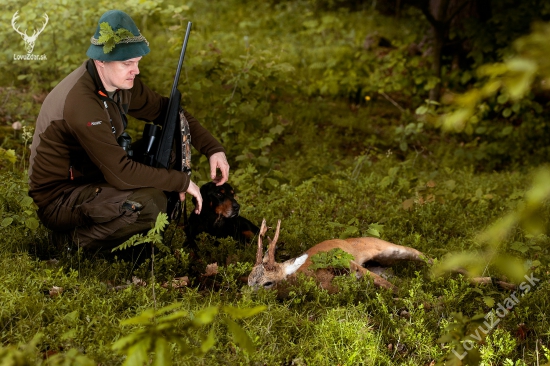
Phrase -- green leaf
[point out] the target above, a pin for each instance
(110, 38)
(240, 337)
(263, 161)
(335, 258)
(125, 342)
(472, 261)
(105, 32)
(266, 121)
(373, 232)
(32, 223)
(421, 110)
(511, 267)
(481, 130)
(489, 301)
(168, 308)
(375, 229)
(353, 221)
(520, 247)
(457, 120)
(162, 353)
(266, 141)
(142, 319)
(7, 221)
(502, 98)
(70, 334)
(72, 316)
(350, 231)
(160, 224)
(123, 33)
(209, 342)
(272, 182)
(26, 201)
(8, 154)
(205, 316)
(507, 130)
(238, 313)
(520, 77)
(137, 354)
(277, 130)
(173, 316)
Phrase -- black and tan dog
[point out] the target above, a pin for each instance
(219, 216)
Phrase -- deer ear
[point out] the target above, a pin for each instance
(292, 265)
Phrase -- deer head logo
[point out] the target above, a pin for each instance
(29, 40)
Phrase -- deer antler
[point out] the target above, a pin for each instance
(24, 35)
(260, 252)
(13, 20)
(36, 33)
(270, 265)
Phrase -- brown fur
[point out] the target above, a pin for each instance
(268, 273)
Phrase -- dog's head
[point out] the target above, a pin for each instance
(219, 200)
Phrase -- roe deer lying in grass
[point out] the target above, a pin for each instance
(266, 272)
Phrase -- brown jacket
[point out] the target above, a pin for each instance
(75, 141)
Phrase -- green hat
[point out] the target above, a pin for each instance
(117, 38)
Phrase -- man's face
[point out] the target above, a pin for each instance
(118, 74)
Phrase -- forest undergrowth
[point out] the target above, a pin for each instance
(329, 166)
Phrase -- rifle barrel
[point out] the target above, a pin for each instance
(162, 156)
(182, 56)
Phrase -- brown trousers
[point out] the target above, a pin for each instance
(94, 217)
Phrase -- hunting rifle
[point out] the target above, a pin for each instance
(173, 135)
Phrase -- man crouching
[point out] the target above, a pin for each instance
(82, 180)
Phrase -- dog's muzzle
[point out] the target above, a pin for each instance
(235, 209)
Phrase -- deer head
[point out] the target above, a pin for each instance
(266, 272)
(29, 40)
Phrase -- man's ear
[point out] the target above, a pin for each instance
(99, 63)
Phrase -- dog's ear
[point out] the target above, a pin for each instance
(206, 188)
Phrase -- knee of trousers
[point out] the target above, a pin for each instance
(153, 201)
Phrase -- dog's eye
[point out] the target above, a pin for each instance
(218, 194)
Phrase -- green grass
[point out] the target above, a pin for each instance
(359, 325)
(337, 170)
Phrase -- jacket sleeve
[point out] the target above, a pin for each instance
(201, 139)
(89, 124)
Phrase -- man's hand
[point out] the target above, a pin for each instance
(194, 191)
(219, 161)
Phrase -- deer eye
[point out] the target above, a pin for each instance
(268, 284)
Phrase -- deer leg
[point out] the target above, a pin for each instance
(379, 281)
(395, 253)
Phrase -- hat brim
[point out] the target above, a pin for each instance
(121, 52)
